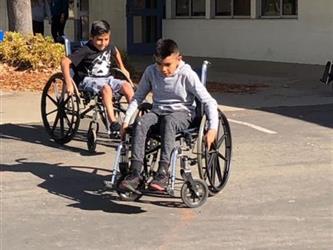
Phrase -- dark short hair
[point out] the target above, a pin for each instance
(165, 47)
(99, 27)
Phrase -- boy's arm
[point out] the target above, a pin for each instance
(120, 63)
(210, 105)
(65, 68)
(143, 89)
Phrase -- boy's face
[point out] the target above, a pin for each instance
(100, 42)
(168, 65)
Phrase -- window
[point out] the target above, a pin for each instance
(232, 8)
(186, 8)
(279, 8)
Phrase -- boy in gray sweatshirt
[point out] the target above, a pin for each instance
(174, 86)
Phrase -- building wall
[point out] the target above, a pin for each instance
(3, 15)
(113, 12)
(307, 39)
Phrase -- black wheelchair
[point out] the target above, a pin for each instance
(328, 74)
(62, 113)
(213, 165)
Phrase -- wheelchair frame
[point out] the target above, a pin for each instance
(62, 113)
(213, 166)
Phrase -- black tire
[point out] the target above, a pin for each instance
(92, 140)
(60, 112)
(190, 198)
(214, 166)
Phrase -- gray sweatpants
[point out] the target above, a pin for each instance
(169, 125)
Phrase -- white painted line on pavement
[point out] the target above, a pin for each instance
(261, 129)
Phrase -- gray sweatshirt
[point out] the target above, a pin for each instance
(174, 93)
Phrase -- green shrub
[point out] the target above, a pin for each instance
(30, 52)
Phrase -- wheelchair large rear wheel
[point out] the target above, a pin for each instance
(60, 112)
(214, 165)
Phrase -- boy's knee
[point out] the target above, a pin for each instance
(106, 90)
(126, 86)
(170, 123)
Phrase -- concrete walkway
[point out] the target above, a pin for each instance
(285, 85)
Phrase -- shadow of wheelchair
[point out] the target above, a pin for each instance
(75, 183)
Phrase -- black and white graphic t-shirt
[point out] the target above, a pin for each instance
(89, 61)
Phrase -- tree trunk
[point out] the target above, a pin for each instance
(19, 16)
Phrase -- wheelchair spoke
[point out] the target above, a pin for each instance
(222, 156)
(55, 121)
(218, 170)
(51, 112)
(67, 120)
(54, 101)
(220, 141)
(66, 100)
(213, 168)
(211, 162)
(62, 128)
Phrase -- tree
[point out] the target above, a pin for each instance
(19, 16)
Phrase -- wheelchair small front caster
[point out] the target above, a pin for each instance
(194, 198)
(91, 140)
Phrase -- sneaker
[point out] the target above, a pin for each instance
(115, 127)
(160, 182)
(131, 182)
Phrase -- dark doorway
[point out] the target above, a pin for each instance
(144, 25)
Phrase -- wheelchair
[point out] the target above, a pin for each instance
(327, 76)
(213, 165)
(61, 113)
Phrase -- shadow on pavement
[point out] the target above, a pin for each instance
(313, 113)
(82, 187)
(36, 134)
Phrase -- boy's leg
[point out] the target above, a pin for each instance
(144, 123)
(170, 125)
(127, 91)
(106, 94)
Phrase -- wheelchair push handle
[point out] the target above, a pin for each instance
(204, 71)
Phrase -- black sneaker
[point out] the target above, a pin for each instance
(131, 182)
(115, 127)
(160, 182)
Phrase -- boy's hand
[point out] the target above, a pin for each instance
(123, 128)
(210, 137)
(70, 89)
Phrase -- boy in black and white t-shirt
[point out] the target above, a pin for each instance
(92, 65)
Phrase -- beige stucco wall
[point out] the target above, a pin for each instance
(115, 13)
(308, 39)
(3, 15)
